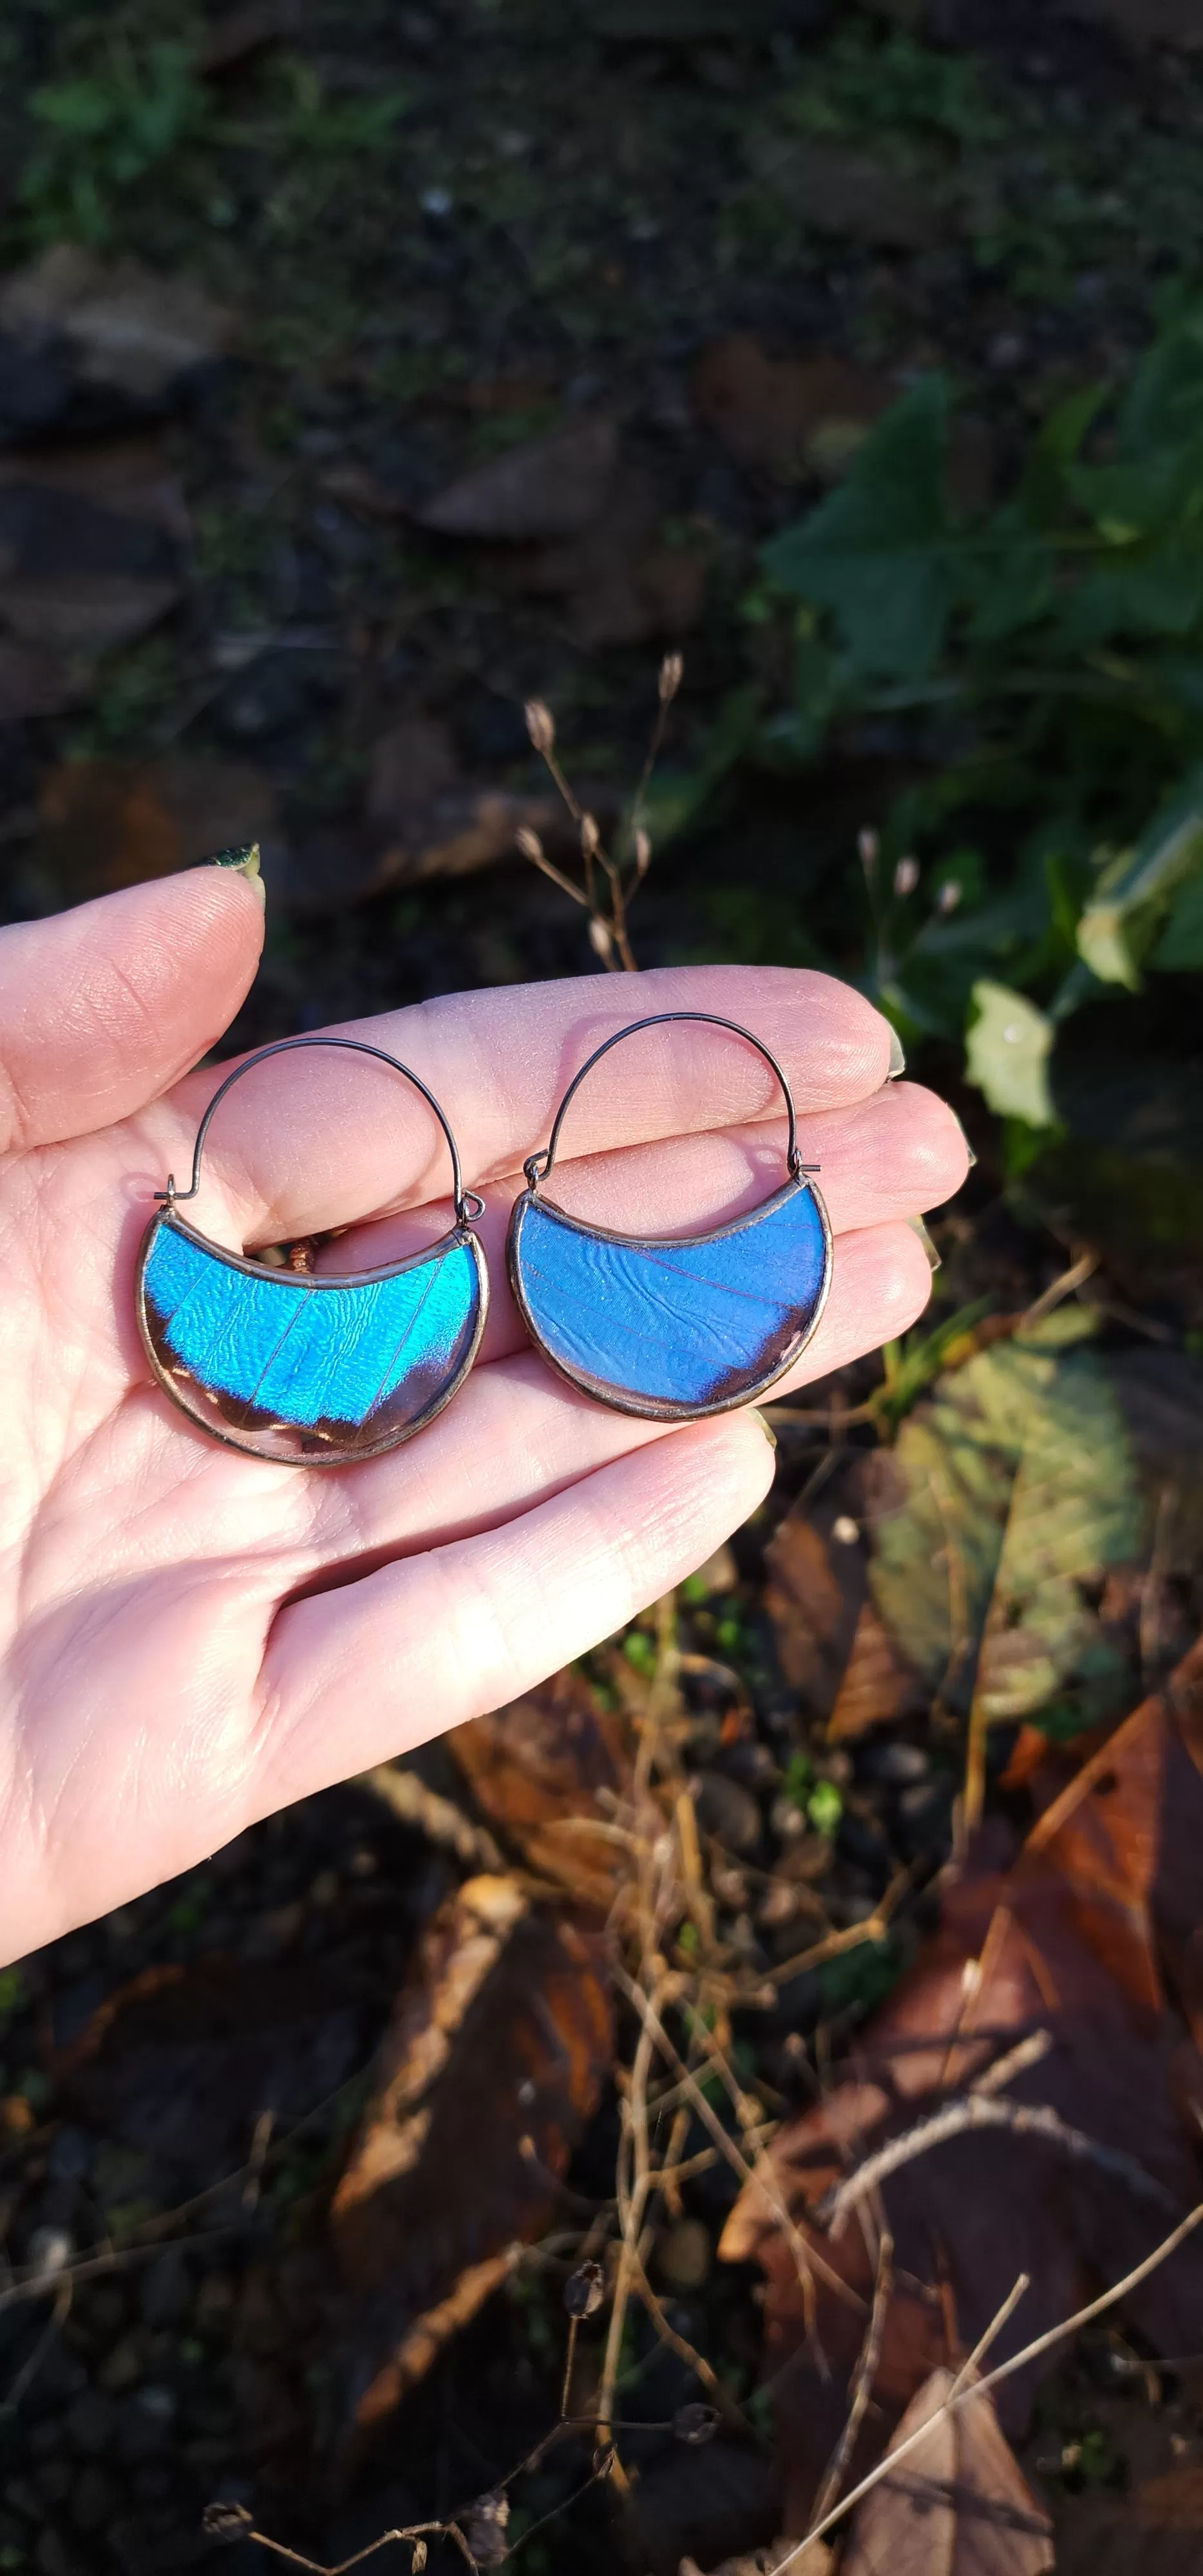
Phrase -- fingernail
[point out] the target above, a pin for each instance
(918, 1228)
(897, 1062)
(755, 1415)
(245, 861)
(965, 1142)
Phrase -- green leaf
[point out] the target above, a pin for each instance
(1135, 891)
(1010, 1495)
(1180, 947)
(881, 552)
(1007, 1051)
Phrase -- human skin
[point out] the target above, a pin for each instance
(191, 1638)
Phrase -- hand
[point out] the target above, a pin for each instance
(192, 1638)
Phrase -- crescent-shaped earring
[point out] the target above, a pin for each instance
(672, 1326)
(292, 1365)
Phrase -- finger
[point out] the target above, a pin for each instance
(103, 1008)
(465, 1627)
(312, 1141)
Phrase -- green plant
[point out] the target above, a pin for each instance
(100, 135)
(1037, 665)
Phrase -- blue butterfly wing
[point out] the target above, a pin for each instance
(688, 1324)
(267, 1350)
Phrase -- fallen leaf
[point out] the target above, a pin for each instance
(621, 582)
(495, 2059)
(958, 2506)
(109, 823)
(1077, 1939)
(118, 327)
(77, 575)
(236, 36)
(786, 416)
(547, 1771)
(815, 1594)
(703, 2505)
(551, 487)
(131, 477)
(84, 615)
(1008, 1496)
(854, 195)
(182, 2062)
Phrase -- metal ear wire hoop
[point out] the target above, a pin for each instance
(537, 1166)
(306, 1368)
(672, 1327)
(467, 1204)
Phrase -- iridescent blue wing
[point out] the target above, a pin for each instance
(674, 1328)
(299, 1367)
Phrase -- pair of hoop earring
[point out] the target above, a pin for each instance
(320, 1371)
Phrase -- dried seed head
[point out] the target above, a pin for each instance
(601, 938)
(695, 2423)
(541, 726)
(418, 2560)
(529, 843)
(484, 2529)
(584, 2290)
(590, 836)
(672, 672)
(223, 2521)
(643, 852)
(906, 876)
(949, 896)
(867, 843)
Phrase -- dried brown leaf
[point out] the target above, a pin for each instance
(183, 2061)
(546, 1771)
(959, 2506)
(551, 487)
(495, 2058)
(109, 823)
(1077, 1937)
(786, 416)
(124, 327)
(853, 194)
(621, 584)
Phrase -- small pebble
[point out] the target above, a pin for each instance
(49, 2249)
(727, 1811)
(894, 1765)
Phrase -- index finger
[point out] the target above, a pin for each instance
(313, 1141)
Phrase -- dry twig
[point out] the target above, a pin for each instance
(983, 2111)
(966, 2396)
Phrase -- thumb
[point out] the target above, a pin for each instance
(101, 1009)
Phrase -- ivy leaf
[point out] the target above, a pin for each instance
(1007, 1496)
(881, 553)
(1135, 892)
(1007, 1050)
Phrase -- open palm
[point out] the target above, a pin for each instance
(190, 1638)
